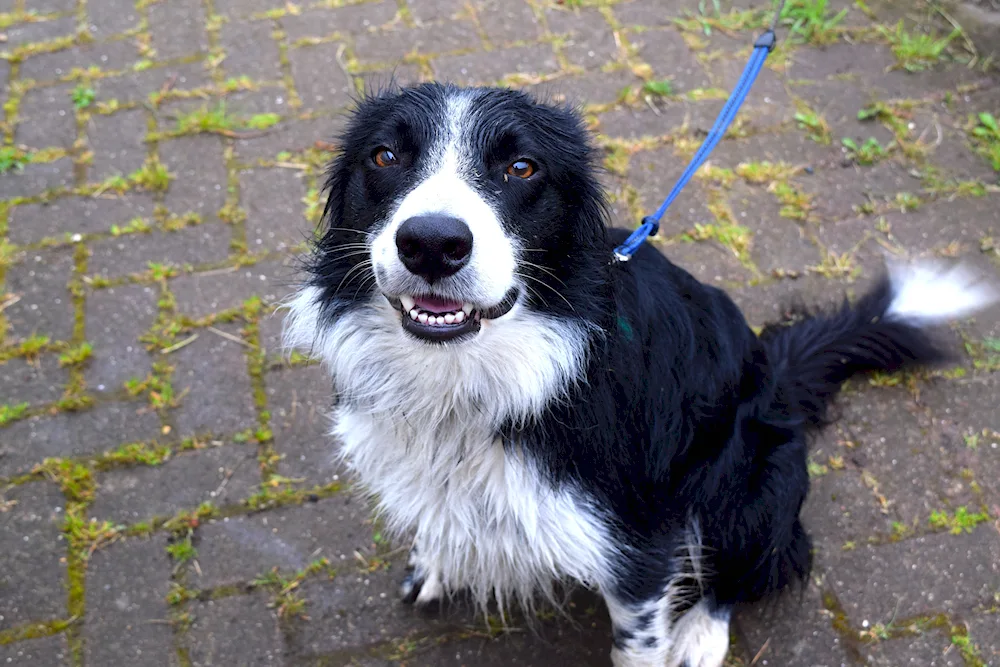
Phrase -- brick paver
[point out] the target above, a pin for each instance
(167, 492)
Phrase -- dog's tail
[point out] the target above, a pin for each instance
(888, 329)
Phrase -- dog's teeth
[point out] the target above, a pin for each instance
(413, 313)
(422, 318)
(467, 307)
(439, 321)
(449, 318)
(407, 302)
(460, 317)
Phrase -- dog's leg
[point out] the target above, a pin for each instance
(700, 638)
(640, 632)
(422, 584)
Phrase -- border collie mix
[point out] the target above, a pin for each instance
(535, 411)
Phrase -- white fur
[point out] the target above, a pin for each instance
(671, 644)
(445, 190)
(418, 424)
(932, 293)
(699, 639)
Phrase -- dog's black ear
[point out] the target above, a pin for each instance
(337, 175)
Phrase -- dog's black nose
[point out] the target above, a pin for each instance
(434, 246)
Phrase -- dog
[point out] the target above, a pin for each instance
(536, 412)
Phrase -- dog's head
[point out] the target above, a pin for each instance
(456, 206)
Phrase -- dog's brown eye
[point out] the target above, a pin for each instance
(521, 169)
(384, 157)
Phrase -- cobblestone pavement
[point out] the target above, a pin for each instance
(167, 496)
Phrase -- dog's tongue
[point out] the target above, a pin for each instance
(435, 305)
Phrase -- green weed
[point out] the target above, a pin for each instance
(13, 158)
(812, 21)
(916, 52)
(9, 413)
(82, 96)
(868, 153)
(986, 139)
(815, 125)
(662, 88)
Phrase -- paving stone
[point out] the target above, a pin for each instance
(46, 306)
(919, 467)
(709, 262)
(127, 616)
(291, 137)
(932, 574)
(840, 509)
(118, 142)
(588, 38)
(969, 222)
(246, 8)
(115, 318)
(488, 67)
(132, 253)
(778, 242)
(332, 91)
(982, 631)
(220, 475)
(32, 580)
(670, 58)
(355, 18)
(57, 218)
(133, 86)
(52, 6)
(44, 651)
(932, 649)
(270, 330)
(108, 56)
(45, 118)
(653, 173)
(178, 28)
(300, 402)
(588, 88)
(239, 628)
(361, 610)
(39, 31)
(28, 442)
(240, 548)
(200, 175)
(390, 47)
(670, 117)
(110, 17)
(839, 192)
(792, 629)
(201, 294)
(275, 211)
(37, 177)
(643, 15)
(432, 10)
(508, 22)
(220, 399)
(965, 403)
(34, 382)
(250, 50)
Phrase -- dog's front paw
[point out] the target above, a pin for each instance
(410, 587)
(421, 586)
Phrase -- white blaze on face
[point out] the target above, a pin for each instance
(444, 190)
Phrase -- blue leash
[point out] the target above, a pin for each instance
(651, 223)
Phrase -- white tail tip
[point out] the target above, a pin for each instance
(929, 292)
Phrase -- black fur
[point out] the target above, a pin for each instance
(685, 413)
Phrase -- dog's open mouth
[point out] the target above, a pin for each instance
(438, 320)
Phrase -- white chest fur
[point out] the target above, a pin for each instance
(418, 423)
(485, 518)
